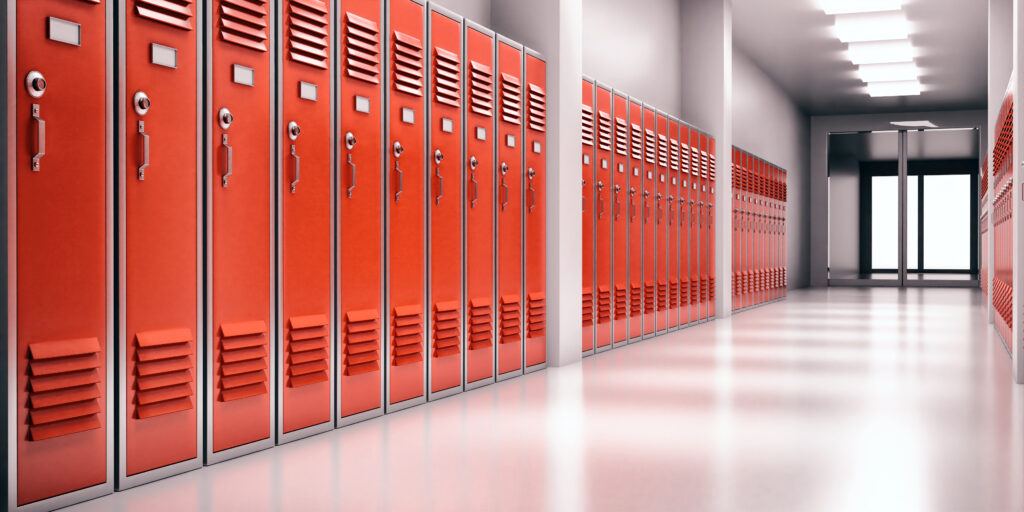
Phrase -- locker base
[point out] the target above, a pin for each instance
(510, 375)
(312, 430)
(765, 303)
(634, 340)
(618, 344)
(536, 367)
(444, 393)
(588, 353)
(127, 482)
(344, 421)
(238, 451)
(603, 349)
(63, 500)
(412, 402)
(478, 383)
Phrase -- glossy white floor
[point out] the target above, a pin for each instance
(829, 401)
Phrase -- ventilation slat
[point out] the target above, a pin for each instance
(447, 77)
(244, 22)
(604, 131)
(538, 108)
(362, 49)
(588, 125)
(621, 137)
(408, 64)
(511, 99)
(176, 13)
(308, 32)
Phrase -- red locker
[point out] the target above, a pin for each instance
(702, 225)
(620, 220)
(589, 216)
(445, 203)
(59, 257)
(683, 218)
(661, 178)
(304, 194)
(406, 207)
(160, 193)
(650, 191)
(671, 219)
(636, 225)
(758, 232)
(535, 212)
(509, 134)
(479, 205)
(360, 211)
(737, 228)
(240, 243)
(694, 206)
(603, 221)
(712, 178)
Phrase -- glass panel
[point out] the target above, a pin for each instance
(913, 184)
(947, 222)
(885, 249)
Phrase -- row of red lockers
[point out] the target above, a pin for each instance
(648, 220)
(1002, 220)
(758, 230)
(440, 126)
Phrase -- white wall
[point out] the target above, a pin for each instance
(475, 10)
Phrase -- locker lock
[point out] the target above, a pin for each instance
(35, 83)
(142, 103)
(225, 118)
(350, 140)
(294, 130)
(398, 149)
(438, 156)
(473, 162)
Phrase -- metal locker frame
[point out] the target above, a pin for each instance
(212, 457)
(661, 235)
(692, 180)
(634, 211)
(603, 192)
(10, 85)
(712, 238)
(671, 217)
(523, 211)
(649, 315)
(277, 340)
(620, 165)
(590, 331)
(123, 481)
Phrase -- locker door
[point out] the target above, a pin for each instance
(712, 178)
(672, 224)
(304, 192)
(240, 245)
(620, 220)
(748, 231)
(445, 203)
(636, 225)
(758, 232)
(510, 204)
(683, 219)
(702, 225)
(360, 214)
(649, 219)
(783, 196)
(737, 226)
(589, 215)
(693, 212)
(660, 225)
(535, 212)
(479, 208)
(406, 199)
(159, 197)
(603, 210)
(60, 297)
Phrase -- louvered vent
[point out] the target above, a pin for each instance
(511, 99)
(637, 143)
(447, 78)
(662, 151)
(703, 164)
(307, 350)
(711, 167)
(243, 364)
(481, 89)
(649, 298)
(649, 146)
(662, 296)
(703, 289)
(621, 136)
(621, 302)
(64, 390)
(362, 342)
(604, 304)
(535, 315)
(176, 13)
(635, 300)
(694, 292)
(307, 32)
(480, 324)
(684, 292)
(684, 158)
(604, 131)
(694, 162)
(362, 49)
(673, 151)
(446, 329)
(407, 335)
(673, 295)
(163, 372)
(408, 64)
(588, 125)
(588, 307)
(538, 108)
(244, 22)
(511, 314)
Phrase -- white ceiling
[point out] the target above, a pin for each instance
(792, 41)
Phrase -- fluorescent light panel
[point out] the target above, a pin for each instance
(888, 72)
(854, 6)
(901, 88)
(880, 52)
(875, 26)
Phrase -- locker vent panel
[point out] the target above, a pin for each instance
(662, 151)
(635, 300)
(176, 13)
(535, 316)
(694, 291)
(695, 163)
(407, 335)
(408, 64)
(64, 387)
(604, 131)
(511, 318)
(684, 158)
(447, 78)
(308, 33)
(511, 99)
(604, 304)
(673, 151)
(704, 165)
(481, 91)
(621, 136)
(711, 167)
(538, 108)
(308, 350)
(588, 307)
(649, 296)
(673, 295)
(636, 143)
(243, 360)
(244, 22)
(362, 49)
(621, 302)
(588, 125)
(163, 372)
(649, 146)
(481, 326)
(684, 292)
(446, 329)
(362, 342)
(662, 296)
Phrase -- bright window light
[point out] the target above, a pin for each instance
(880, 52)
(854, 6)
(902, 88)
(888, 72)
(875, 26)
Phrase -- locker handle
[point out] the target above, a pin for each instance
(229, 160)
(296, 180)
(504, 171)
(692, 217)
(657, 207)
(533, 193)
(647, 194)
(682, 210)
(632, 207)
(473, 162)
(350, 142)
(617, 207)
(671, 200)
(145, 150)
(40, 151)
(438, 156)
(398, 153)
(600, 200)
(584, 198)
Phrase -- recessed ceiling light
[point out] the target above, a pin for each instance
(875, 26)
(902, 88)
(888, 72)
(878, 52)
(914, 124)
(855, 6)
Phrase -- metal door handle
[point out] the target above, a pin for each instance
(398, 153)
(296, 181)
(229, 158)
(632, 207)
(473, 162)
(617, 208)
(647, 194)
(600, 200)
(657, 208)
(350, 142)
(438, 156)
(504, 171)
(533, 193)
(40, 137)
(671, 200)
(692, 217)
(145, 150)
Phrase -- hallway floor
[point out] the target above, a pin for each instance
(832, 400)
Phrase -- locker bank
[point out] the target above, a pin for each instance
(512, 255)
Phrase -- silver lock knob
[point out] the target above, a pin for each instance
(473, 162)
(398, 149)
(35, 83)
(142, 103)
(438, 156)
(350, 140)
(225, 118)
(294, 130)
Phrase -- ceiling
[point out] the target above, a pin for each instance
(792, 41)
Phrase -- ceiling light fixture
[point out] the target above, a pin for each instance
(914, 124)
(880, 52)
(855, 6)
(901, 88)
(888, 72)
(875, 26)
